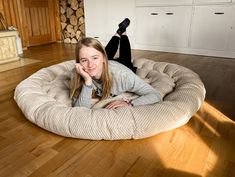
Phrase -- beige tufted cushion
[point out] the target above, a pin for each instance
(44, 99)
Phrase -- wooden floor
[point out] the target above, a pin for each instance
(203, 147)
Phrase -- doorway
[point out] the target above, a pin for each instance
(39, 22)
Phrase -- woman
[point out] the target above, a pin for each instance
(103, 78)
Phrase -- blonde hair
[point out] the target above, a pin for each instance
(77, 81)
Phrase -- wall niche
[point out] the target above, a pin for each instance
(72, 20)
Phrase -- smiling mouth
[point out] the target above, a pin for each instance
(91, 69)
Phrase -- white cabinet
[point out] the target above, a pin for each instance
(204, 27)
(212, 27)
(164, 26)
(103, 16)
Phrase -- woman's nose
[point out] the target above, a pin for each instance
(90, 63)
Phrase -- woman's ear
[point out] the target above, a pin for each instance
(104, 59)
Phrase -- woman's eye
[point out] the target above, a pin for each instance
(83, 61)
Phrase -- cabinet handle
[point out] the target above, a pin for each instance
(169, 13)
(219, 13)
(154, 13)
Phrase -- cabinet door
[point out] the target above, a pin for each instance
(148, 25)
(163, 26)
(39, 22)
(95, 18)
(211, 27)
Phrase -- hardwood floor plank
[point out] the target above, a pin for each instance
(29, 167)
(56, 163)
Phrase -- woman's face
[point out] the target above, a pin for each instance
(92, 61)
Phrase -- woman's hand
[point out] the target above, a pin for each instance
(116, 104)
(83, 73)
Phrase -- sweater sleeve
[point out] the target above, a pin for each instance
(84, 98)
(133, 83)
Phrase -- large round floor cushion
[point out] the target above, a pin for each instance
(44, 99)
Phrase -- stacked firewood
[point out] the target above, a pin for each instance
(72, 20)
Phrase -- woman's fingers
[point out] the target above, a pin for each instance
(80, 70)
(116, 104)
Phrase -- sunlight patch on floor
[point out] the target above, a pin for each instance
(17, 64)
(190, 145)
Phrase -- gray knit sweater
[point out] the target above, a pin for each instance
(124, 80)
